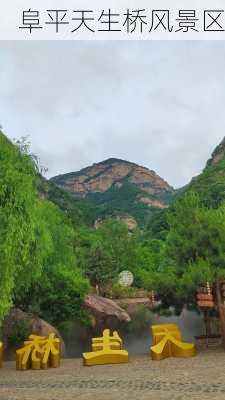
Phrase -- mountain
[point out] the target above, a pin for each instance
(210, 184)
(218, 154)
(64, 200)
(118, 187)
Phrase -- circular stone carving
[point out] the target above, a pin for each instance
(126, 278)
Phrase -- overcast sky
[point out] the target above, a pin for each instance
(159, 104)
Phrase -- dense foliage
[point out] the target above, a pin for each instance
(114, 202)
(120, 201)
(196, 241)
(58, 294)
(210, 185)
(106, 251)
(38, 263)
(80, 212)
(20, 231)
(192, 254)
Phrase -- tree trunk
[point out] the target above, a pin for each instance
(207, 321)
(221, 310)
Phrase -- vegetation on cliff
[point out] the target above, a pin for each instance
(38, 264)
(209, 186)
(117, 187)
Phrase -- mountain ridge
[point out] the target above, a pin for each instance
(209, 185)
(118, 187)
(115, 168)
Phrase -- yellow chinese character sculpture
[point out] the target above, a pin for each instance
(39, 352)
(167, 342)
(1, 354)
(106, 350)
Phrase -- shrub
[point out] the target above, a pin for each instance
(141, 320)
(20, 332)
(122, 292)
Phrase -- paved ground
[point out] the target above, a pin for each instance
(201, 377)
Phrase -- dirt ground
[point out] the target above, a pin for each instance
(201, 377)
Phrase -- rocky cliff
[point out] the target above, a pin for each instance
(218, 154)
(102, 176)
(117, 174)
(118, 187)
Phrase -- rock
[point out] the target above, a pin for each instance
(218, 154)
(35, 326)
(152, 203)
(43, 328)
(132, 305)
(100, 177)
(103, 309)
(128, 220)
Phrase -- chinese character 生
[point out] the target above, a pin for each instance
(108, 20)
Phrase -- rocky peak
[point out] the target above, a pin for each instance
(100, 177)
(218, 154)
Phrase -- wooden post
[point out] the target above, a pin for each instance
(221, 310)
(207, 322)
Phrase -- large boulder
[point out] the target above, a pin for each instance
(33, 324)
(132, 305)
(104, 310)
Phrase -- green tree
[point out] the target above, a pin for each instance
(20, 250)
(101, 268)
(59, 292)
(196, 247)
(156, 272)
(119, 244)
(106, 251)
(37, 256)
(196, 238)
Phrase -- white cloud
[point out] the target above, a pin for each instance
(160, 104)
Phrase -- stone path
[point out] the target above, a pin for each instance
(201, 377)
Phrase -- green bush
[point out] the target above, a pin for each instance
(141, 320)
(122, 292)
(20, 331)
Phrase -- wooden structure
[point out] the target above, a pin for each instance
(205, 296)
(1, 354)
